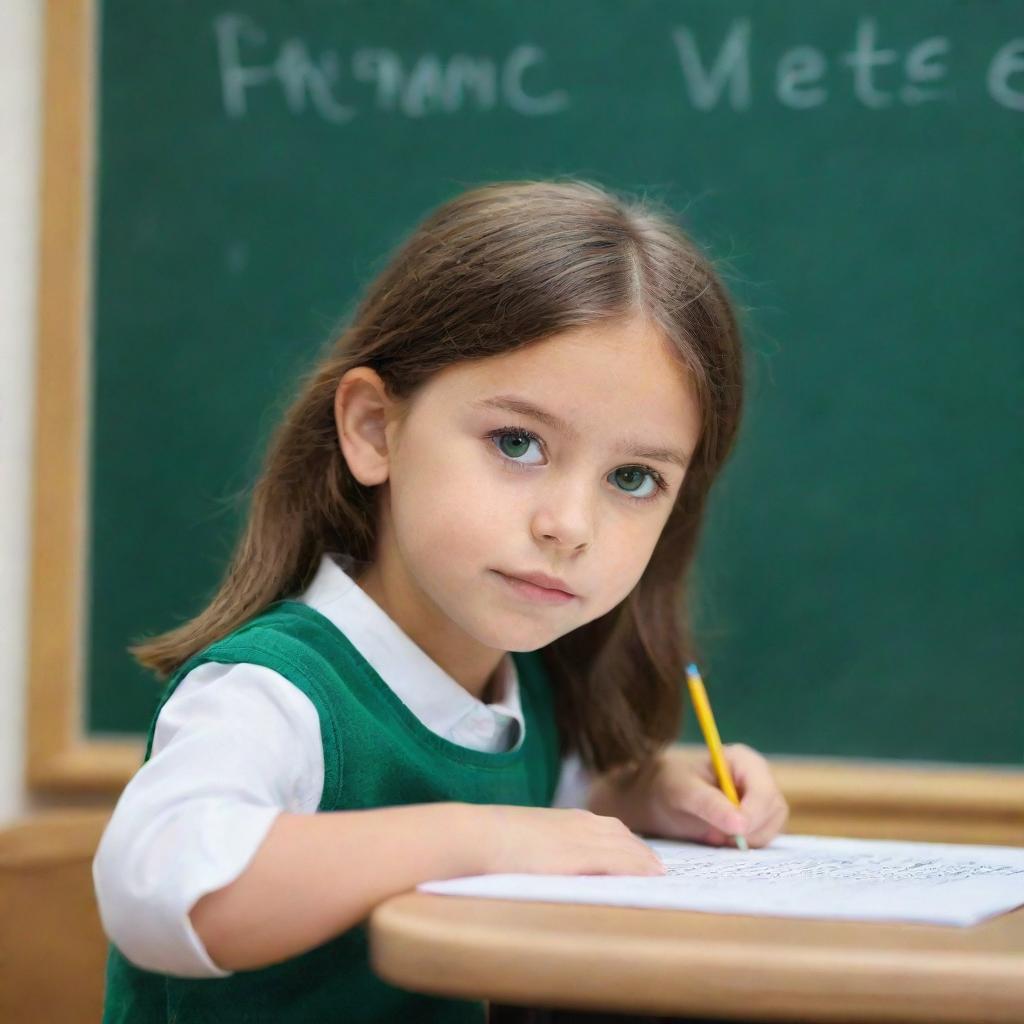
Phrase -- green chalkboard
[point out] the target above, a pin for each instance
(857, 168)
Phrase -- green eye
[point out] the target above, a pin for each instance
(514, 443)
(635, 472)
(518, 441)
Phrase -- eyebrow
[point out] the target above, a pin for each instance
(512, 403)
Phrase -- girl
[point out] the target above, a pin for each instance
(455, 625)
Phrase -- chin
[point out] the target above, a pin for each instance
(527, 639)
(502, 637)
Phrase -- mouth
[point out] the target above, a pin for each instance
(533, 591)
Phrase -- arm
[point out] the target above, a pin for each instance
(316, 875)
(382, 852)
(218, 829)
(231, 789)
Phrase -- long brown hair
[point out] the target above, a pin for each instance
(496, 268)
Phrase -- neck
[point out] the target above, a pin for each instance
(473, 666)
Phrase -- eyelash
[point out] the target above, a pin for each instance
(523, 432)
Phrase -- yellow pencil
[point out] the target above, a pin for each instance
(702, 706)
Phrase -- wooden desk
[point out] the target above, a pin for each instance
(689, 964)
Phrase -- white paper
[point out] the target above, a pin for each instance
(795, 876)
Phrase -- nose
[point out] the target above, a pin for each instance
(565, 517)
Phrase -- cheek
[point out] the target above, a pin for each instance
(623, 562)
(623, 568)
(446, 510)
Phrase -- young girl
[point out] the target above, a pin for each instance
(455, 625)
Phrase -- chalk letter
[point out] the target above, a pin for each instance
(383, 67)
(863, 59)
(796, 66)
(732, 65)
(423, 90)
(235, 79)
(464, 73)
(917, 69)
(300, 75)
(1008, 60)
(512, 87)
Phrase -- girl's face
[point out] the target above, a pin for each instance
(478, 491)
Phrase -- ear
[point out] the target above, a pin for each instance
(362, 411)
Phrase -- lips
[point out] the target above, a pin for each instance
(540, 579)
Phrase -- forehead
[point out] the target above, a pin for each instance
(599, 377)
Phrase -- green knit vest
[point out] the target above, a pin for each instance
(376, 754)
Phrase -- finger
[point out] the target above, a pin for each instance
(777, 807)
(716, 837)
(763, 835)
(649, 853)
(757, 786)
(759, 810)
(746, 763)
(680, 825)
(707, 802)
(755, 838)
(632, 858)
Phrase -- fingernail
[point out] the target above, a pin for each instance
(737, 825)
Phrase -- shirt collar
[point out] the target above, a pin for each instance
(444, 706)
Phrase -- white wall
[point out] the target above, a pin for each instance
(21, 37)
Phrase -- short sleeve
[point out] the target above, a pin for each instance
(234, 746)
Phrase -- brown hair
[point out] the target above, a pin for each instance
(496, 268)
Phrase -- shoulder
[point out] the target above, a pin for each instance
(290, 638)
(285, 672)
(240, 695)
(251, 711)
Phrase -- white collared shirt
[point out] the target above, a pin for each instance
(228, 758)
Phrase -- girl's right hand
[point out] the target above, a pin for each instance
(563, 841)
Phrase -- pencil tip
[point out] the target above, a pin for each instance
(691, 669)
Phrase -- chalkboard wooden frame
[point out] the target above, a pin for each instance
(841, 796)
(58, 755)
